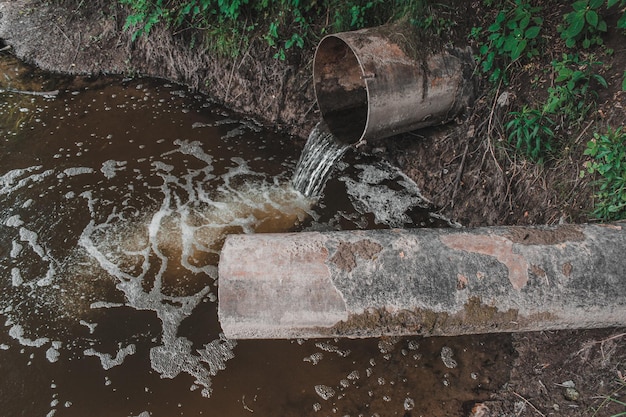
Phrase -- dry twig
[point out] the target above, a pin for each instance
(530, 404)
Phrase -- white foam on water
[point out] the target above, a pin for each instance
(16, 277)
(16, 248)
(14, 221)
(324, 391)
(17, 333)
(107, 360)
(72, 172)
(11, 181)
(370, 194)
(188, 224)
(90, 326)
(52, 354)
(188, 227)
(31, 238)
(328, 347)
(110, 168)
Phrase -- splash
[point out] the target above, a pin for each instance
(320, 154)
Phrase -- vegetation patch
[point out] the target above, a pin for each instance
(608, 153)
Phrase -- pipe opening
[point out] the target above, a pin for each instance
(340, 89)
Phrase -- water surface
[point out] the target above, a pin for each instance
(115, 198)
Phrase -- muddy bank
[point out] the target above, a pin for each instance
(93, 41)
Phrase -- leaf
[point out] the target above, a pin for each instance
(592, 18)
(580, 5)
(500, 17)
(495, 27)
(594, 4)
(624, 82)
(578, 23)
(532, 32)
(515, 54)
(523, 24)
(602, 26)
(570, 42)
(510, 44)
(600, 79)
(611, 3)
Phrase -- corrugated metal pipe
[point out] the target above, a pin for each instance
(378, 82)
(422, 281)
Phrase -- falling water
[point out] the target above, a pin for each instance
(321, 152)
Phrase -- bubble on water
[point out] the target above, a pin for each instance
(353, 376)
(328, 347)
(409, 404)
(314, 358)
(413, 345)
(446, 357)
(387, 344)
(324, 391)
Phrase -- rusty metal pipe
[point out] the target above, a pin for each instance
(378, 82)
(422, 281)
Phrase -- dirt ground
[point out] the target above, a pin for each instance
(461, 167)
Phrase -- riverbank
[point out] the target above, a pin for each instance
(459, 166)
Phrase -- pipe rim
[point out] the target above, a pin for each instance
(322, 103)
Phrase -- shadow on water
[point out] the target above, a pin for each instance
(115, 198)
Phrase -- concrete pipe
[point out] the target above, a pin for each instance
(422, 281)
(378, 82)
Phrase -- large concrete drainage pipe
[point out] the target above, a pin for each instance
(375, 83)
(422, 281)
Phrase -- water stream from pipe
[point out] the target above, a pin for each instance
(320, 154)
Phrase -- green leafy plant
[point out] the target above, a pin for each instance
(145, 14)
(224, 25)
(608, 153)
(530, 132)
(572, 95)
(513, 35)
(584, 23)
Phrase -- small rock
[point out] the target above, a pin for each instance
(571, 394)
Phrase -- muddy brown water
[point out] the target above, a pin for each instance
(115, 197)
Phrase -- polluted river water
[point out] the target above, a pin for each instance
(115, 198)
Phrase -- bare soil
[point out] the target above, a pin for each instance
(462, 167)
